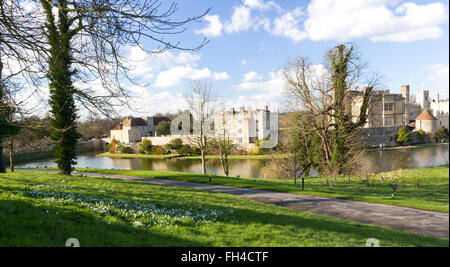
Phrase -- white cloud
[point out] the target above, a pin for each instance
(439, 78)
(274, 85)
(142, 63)
(175, 76)
(287, 25)
(221, 76)
(240, 21)
(344, 20)
(214, 28)
(244, 62)
(251, 76)
(148, 103)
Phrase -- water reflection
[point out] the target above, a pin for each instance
(376, 161)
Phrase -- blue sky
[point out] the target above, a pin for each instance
(251, 40)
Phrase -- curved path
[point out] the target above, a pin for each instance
(429, 223)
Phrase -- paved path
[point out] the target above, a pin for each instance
(429, 223)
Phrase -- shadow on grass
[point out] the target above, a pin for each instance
(23, 224)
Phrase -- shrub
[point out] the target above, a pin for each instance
(112, 147)
(127, 150)
(262, 150)
(146, 146)
(175, 144)
(254, 151)
(442, 133)
(422, 135)
(185, 150)
(196, 151)
(158, 150)
(403, 135)
(119, 148)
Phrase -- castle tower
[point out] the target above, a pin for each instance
(405, 94)
(423, 98)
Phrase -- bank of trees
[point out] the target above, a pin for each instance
(68, 43)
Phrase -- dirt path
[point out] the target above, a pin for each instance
(429, 223)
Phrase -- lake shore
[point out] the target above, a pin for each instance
(259, 156)
(406, 147)
(169, 156)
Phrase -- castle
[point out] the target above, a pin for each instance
(133, 129)
(244, 127)
(388, 112)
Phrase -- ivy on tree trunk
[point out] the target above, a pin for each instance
(64, 133)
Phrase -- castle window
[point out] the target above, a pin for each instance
(389, 107)
(388, 122)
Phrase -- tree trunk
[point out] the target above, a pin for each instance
(11, 155)
(2, 161)
(203, 162)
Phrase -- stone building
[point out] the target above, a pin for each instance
(244, 127)
(396, 110)
(133, 129)
(388, 112)
(440, 110)
(426, 122)
(385, 109)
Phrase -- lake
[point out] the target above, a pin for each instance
(376, 161)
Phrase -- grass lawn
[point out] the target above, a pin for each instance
(431, 194)
(45, 209)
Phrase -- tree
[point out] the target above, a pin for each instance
(202, 104)
(223, 142)
(85, 40)
(163, 128)
(323, 96)
(146, 146)
(15, 38)
(403, 135)
(442, 133)
(422, 135)
(175, 144)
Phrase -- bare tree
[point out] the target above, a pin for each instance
(83, 42)
(202, 103)
(322, 95)
(223, 142)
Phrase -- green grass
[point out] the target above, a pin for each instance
(432, 193)
(148, 156)
(45, 209)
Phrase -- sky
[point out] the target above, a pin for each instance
(250, 41)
